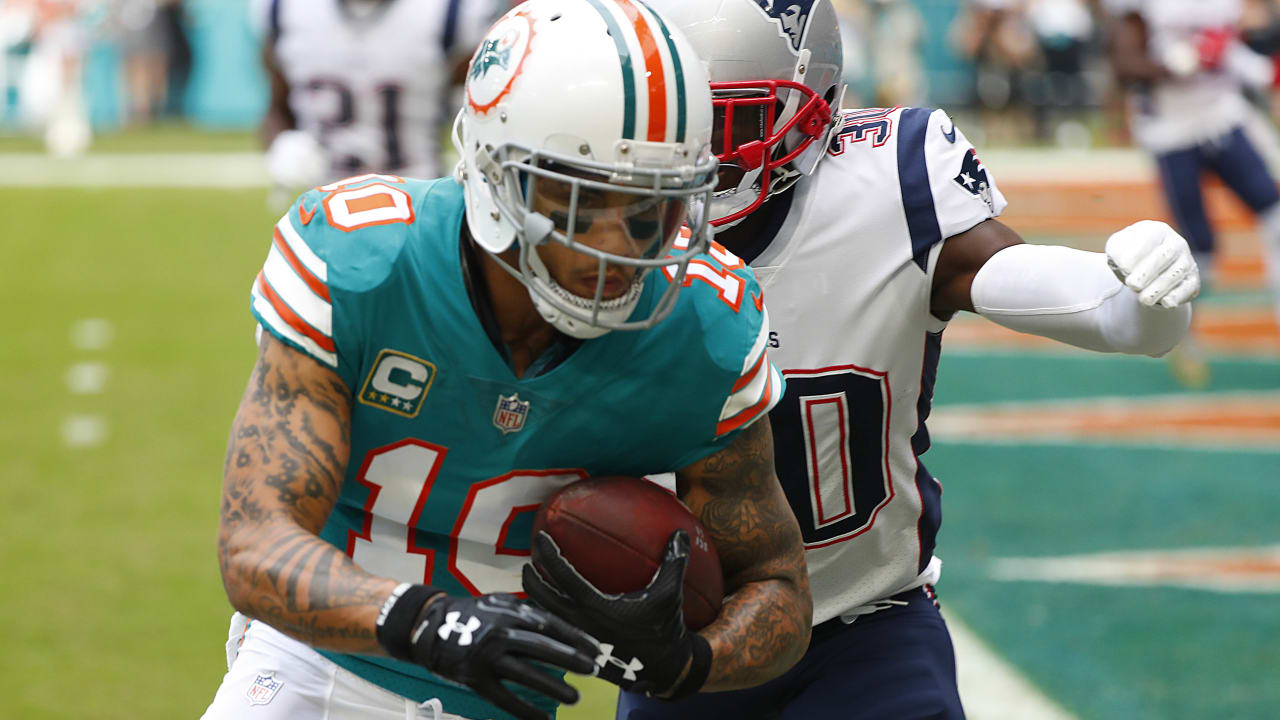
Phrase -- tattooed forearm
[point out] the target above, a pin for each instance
(763, 628)
(283, 472)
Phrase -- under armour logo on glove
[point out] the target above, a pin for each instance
(646, 625)
(451, 625)
(629, 669)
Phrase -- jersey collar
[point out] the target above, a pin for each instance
(473, 278)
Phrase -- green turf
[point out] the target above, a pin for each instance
(114, 604)
(1114, 652)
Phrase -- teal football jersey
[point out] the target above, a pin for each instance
(451, 453)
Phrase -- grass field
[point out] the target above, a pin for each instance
(115, 610)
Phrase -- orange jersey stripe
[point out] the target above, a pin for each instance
(746, 379)
(653, 70)
(316, 284)
(288, 315)
(742, 418)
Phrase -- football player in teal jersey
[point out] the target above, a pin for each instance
(437, 357)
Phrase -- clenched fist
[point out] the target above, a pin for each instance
(1155, 262)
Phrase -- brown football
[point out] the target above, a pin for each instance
(614, 530)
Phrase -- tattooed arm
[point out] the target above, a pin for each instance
(763, 628)
(285, 464)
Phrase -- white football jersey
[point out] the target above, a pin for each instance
(371, 79)
(1182, 113)
(847, 279)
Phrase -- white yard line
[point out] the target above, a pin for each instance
(91, 334)
(82, 430)
(161, 170)
(87, 378)
(990, 688)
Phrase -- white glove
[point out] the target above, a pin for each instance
(1247, 66)
(1181, 59)
(1155, 262)
(295, 160)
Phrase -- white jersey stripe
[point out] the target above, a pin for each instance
(751, 393)
(268, 316)
(757, 347)
(301, 299)
(299, 247)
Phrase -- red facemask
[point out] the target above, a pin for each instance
(752, 141)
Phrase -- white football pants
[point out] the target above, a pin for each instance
(271, 676)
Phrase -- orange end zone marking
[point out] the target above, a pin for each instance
(1219, 329)
(1206, 420)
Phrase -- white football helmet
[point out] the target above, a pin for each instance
(775, 68)
(581, 100)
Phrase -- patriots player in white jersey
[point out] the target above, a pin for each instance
(1187, 71)
(361, 86)
(868, 230)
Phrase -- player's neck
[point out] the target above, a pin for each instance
(523, 330)
(754, 232)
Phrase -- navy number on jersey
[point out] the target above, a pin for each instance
(345, 114)
(872, 124)
(845, 408)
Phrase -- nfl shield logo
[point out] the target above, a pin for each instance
(510, 413)
(264, 688)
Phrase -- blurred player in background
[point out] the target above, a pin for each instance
(883, 54)
(362, 85)
(437, 359)
(1187, 70)
(868, 230)
(1032, 52)
(157, 56)
(53, 36)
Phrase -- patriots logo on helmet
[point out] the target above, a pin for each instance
(791, 15)
(973, 178)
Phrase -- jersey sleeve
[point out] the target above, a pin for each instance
(758, 387)
(731, 383)
(328, 264)
(291, 297)
(963, 192)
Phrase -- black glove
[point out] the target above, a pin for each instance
(481, 641)
(644, 645)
